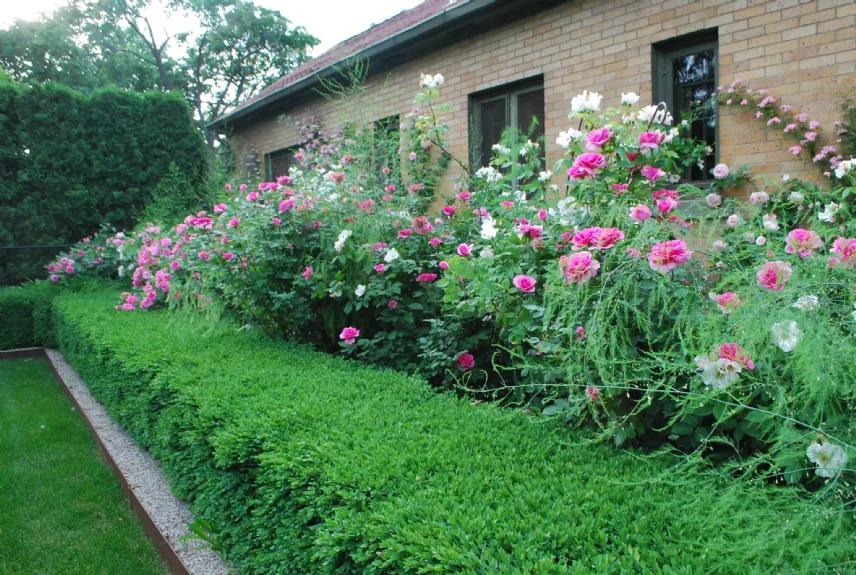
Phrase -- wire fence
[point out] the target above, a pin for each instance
(21, 263)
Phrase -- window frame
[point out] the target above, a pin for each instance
(274, 154)
(509, 92)
(662, 85)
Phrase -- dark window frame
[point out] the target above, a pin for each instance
(662, 86)
(508, 92)
(269, 156)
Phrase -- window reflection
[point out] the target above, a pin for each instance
(693, 81)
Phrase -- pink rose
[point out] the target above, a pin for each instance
(220, 208)
(596, 139)
(666, 256)
(379, 268)
(392, 304)
(464, 250)
(524, 283)
(444, 265)
(649, 141)
(727, 302)
(640, 213)
(802, 242)
(579, 267)
(773, 275)
(585, 166)
(735, 353)
(466, 361)
(846, 248)
(652, 174)
(286, 205)
(426, 278)
(666, 205)
(252, 196)
(449, 210)
(349, 335)
(720, 171)
(307, 273)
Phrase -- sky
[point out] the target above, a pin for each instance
(331, 21)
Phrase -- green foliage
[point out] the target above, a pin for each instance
(230, 51)
(70, 162)
(300, 461)
(26, 313)
(61, 508)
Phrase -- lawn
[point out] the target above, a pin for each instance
(61, 508)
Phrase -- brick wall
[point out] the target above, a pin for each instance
(803, 52)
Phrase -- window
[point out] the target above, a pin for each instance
(493, 111)
(278, 162)
(685, 71)
(387, 141)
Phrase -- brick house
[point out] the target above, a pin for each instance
(506, 60)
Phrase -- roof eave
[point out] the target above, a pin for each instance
(452, 14)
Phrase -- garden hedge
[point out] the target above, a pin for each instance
(308, 464)
(69, 163)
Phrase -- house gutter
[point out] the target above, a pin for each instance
(458, 12)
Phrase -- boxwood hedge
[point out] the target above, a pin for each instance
(310, 464)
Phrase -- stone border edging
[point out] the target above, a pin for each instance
(155, 504)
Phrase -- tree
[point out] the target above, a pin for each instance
(228, 51)
(242, 49)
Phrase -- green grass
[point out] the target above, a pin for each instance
(61, 508)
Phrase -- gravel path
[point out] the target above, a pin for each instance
(144, 476)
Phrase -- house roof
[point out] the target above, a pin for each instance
(355, 45)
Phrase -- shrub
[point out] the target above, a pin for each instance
(593, 308)
(69, 163)
(299, 461)
(26, 313)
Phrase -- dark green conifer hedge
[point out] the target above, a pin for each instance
(69, 163)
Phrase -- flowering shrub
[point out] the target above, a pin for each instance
(612, 305)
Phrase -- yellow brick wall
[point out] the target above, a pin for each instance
(804, 53)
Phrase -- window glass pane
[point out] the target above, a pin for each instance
(529, 105)
(694, 78)
(278, 163)
(387, 141)
(493, 121)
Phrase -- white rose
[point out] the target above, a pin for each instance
(391, 255)
(807, 303)
(629, 99)
(361, 289)
(720, 171)
(830, 459)
(786, 335)
(488, 230)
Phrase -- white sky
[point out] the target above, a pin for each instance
(331, 21)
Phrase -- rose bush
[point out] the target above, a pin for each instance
(607, 301)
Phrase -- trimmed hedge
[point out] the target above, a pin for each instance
(26, 317)
(70, 162)
(311, 464)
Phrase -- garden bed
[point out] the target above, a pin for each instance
(310, 464)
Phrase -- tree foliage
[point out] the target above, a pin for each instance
(231, 49)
